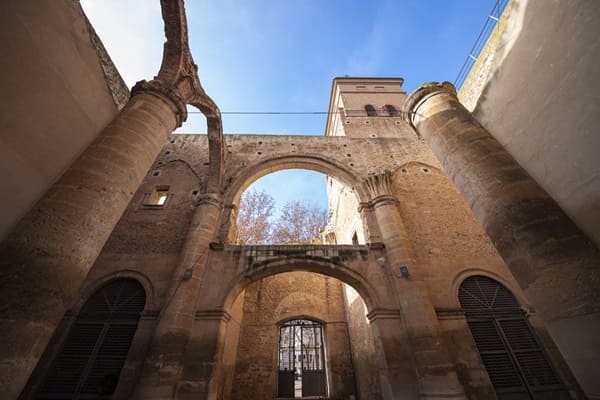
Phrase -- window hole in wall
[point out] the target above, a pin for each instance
(206, 163)
(373, 135)
(404, 170)
(158, 197)
(398, 122)
(243, 163)
(367, 122)
(425, 169)
(167, 152)
(195, 192)
(352, 164)
(156, 173)
(259, 143)
(348, 155)
(160, 163)
(345, 145)
(259, 152)
(347, 121)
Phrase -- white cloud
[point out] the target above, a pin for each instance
(132, 32)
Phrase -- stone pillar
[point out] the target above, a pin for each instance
(557, 266)
(45, 259)
(397, 371)
(164, 363)
(200, 379)
(436, 372)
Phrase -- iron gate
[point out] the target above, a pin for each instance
(301, 359)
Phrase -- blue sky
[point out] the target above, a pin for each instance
(282, 56)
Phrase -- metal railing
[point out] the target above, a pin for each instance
(491, 22)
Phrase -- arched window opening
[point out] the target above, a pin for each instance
(391, 110)
(285, 207)
(301, 359)
(91, 359)
(515, 360)
(370, 110)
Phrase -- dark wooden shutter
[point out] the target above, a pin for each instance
(90, 362)
(513, 357)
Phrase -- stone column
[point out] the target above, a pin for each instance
(45, 259)
(397, 371)
(164, 363)
(200, 379)
(557, 266)
(436, 372)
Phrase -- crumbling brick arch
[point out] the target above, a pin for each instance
(248, 174)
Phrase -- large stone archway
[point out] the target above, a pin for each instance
(230, 270)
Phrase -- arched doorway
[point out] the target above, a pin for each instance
(299, 334)
(513, 356)
(89, 364)
(301, 359)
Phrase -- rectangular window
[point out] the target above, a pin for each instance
(158, 197)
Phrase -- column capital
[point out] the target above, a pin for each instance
(213, 199)
(379, 187)
(411, 109)
(166, 92)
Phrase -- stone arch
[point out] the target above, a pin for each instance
(179, 70)
(300, 316)
(459, 278)
(90, 288)
(248, 174)
(314, 265)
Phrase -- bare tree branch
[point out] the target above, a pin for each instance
(299, 222)
(254, 217)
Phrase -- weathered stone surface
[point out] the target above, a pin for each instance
(553, 261)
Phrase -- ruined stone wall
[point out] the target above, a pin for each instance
(145, 245)
(272, 300)
(148, 238)
(360, 156)
(55, 97)
(449, 245)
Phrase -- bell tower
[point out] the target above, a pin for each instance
(366, 107)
